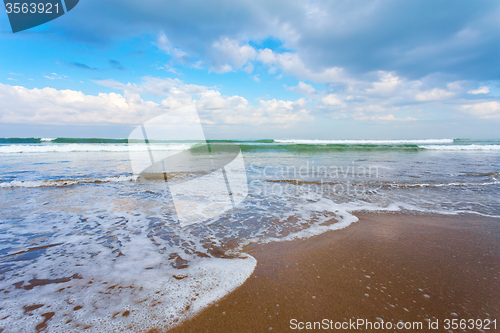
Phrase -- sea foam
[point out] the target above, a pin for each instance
(462, 147)
(88, 147)
(366, 142)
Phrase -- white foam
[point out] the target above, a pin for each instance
(315, 230)
(140, 280)
(144, 280)
(367, 142)
(47, 139)
(462, 147)
(88, 147)
(154, 298)
(66, 182)
(494, 182)
(343, 213)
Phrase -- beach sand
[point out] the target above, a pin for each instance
(388, 266)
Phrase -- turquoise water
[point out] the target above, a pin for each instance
(75, 221)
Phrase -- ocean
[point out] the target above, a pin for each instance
(86, 245)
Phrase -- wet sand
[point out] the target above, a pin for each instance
(388, 267)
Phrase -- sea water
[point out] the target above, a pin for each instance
(87, 246)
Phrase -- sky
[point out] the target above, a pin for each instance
(257, 69)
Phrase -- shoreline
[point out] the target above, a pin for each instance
(386, 267)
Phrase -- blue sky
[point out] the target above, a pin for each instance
(257, 69)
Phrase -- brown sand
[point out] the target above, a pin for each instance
(391, 266)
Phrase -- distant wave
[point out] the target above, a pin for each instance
(242, 141)
(475, 140)
(246, 147)
(61, 140)
(278, 141)
(461, 147)
(46, 145)
(366, 142)
(265, 141)
(88, 147)
(104, 140)
(66, 182)
(304, 148)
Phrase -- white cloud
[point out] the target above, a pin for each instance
(55, 76)
(391, 117)
(248, 68)
(435, 94)
(222, 68)
(267, 56)
(481, 90)
(283, 112)
(272, 70)
(331, 100)
(485, 110)
(237, 110)
(303, 89)
(228, 55)
(389, 84)
(165, 45)
(117, 85)
(52, 106)
(170, 87)
(379, 101)
(357, 97)
(379, 118)
(388, 117)
(291, 63)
